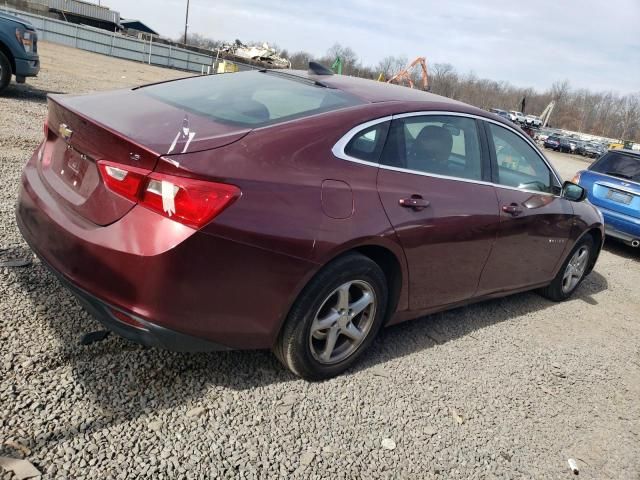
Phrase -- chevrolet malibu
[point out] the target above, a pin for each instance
(293, 210)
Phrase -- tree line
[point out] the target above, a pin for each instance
(607, 114)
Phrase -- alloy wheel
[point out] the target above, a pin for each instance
(575, 269)
(342, 322)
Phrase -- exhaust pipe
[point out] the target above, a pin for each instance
(635, 243)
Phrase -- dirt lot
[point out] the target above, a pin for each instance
(509, 388)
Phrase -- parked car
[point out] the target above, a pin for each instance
(298, 211)
(613, 185)
(567, 145)
(579, 148)
(541, 135)
(552, 142)
(517, 117)
(533, 121)
(18, 50)
(502, 113)
(594, 150)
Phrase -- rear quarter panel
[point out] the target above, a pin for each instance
(280, 170)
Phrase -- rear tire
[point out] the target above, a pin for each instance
(334, 319)
(574, 270)
(5, 71)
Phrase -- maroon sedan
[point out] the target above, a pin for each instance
(293, 210)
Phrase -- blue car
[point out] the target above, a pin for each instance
(613, 185)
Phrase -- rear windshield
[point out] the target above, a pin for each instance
(620, 165)
(250, 99)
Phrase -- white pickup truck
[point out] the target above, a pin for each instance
(517, 117)
(533, 121)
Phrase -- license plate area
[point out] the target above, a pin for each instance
(619, 197)
(73, 168)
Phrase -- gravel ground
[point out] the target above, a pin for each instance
(508, 389)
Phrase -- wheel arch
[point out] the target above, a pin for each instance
(392, 268)
(598, 239)
(391, 260)
(7, 53)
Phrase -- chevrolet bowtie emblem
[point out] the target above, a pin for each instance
(65, 132)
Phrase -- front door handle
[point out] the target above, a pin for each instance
(513, 209)
(415, 202)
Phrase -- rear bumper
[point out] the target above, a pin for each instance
(184, 285)
(621, 226)
(151, 335)
(27, 67)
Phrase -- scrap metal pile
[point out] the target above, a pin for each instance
(264, 54)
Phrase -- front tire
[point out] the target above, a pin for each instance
(573, 271)
(5, 71)
(335, 318)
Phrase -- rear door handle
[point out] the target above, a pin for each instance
(513, 209)
(415, 202)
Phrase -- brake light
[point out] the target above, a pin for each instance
(127, 182)
(576, 178)
(186, 200)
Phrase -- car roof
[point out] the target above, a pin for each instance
(373, 91)
(626, 150)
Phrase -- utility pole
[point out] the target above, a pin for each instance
(186, 23)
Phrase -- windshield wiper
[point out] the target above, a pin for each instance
(621, 175)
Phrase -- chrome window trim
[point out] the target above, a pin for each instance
(486, 119)
(338, 149)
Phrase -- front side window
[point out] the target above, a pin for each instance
(519, 165)
(437, 144)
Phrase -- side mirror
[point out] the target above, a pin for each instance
(573, 192)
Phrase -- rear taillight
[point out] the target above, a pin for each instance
(189, 201)
(186, 200)
(576, 178)
(127, 181)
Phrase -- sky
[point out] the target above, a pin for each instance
(593, 44)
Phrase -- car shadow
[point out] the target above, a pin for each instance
(125, 381)
(439, 328)
(26, 92)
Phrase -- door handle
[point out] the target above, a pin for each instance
(513, 209)
(415, 202)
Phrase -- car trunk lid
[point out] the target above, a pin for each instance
(613, 193)
(125, 128)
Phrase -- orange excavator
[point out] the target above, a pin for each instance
(404, 75)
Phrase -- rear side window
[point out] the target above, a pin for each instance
(438, 144)
(250, 99)
(367, 144)
(618, 164)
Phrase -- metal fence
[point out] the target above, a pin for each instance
(117, 45)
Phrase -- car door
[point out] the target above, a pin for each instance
(443, 210)
(535, 222)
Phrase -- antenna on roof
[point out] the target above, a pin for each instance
(318, 69)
